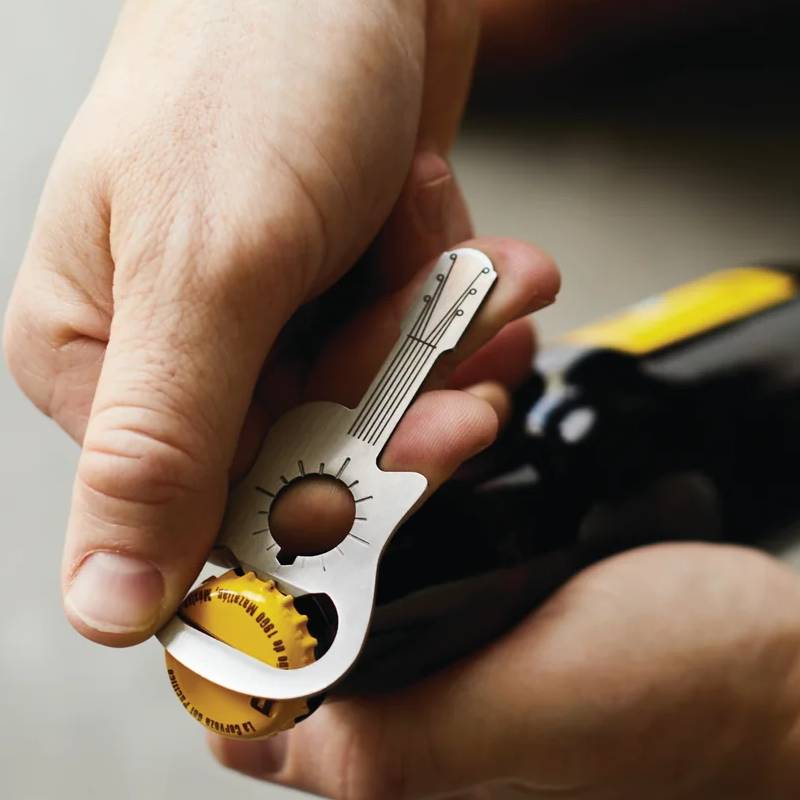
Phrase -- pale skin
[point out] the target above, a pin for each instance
(211, 186)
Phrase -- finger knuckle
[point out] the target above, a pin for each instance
(208, 257)
(142, 455)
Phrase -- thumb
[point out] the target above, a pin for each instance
(185, 350)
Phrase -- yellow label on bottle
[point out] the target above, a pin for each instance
(689, 310)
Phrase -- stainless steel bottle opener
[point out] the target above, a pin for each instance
(326, 438)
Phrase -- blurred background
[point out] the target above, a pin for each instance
(657, 150)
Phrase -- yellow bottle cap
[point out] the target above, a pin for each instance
(255, 617)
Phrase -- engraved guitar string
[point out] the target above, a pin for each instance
(408, 363)
(401, 358)
(413, 371)
(365, 414)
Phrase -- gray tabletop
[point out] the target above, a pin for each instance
(628, 203)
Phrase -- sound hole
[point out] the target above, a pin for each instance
(310, 516)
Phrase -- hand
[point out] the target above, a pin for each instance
(667, 672)
(231, 162)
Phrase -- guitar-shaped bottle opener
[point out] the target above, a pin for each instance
(329, 439)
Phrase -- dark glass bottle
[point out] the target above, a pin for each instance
(694, 437)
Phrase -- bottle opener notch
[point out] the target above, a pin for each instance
(329, 439)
